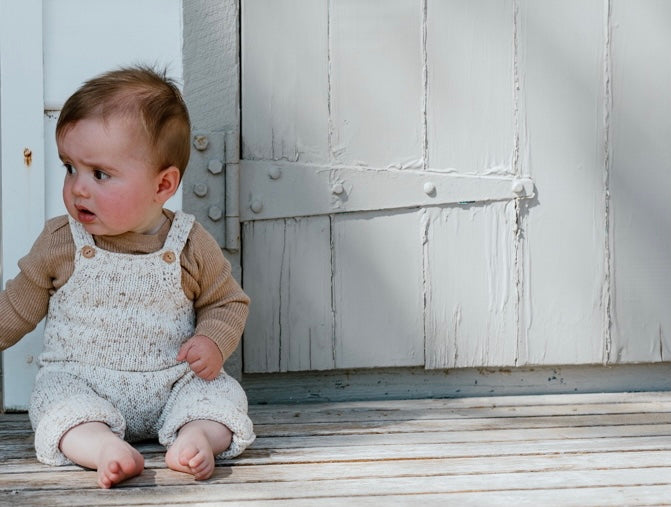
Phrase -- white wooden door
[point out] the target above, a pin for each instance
(47, 49)
(455, 183)
(380, 185)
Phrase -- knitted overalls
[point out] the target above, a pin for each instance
(111, 340)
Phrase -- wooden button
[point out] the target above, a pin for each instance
(88, 251)
(169, 257)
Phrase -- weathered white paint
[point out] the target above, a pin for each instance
(469, 52)
(542, 90)
(21, 134)
(291, 293)
(640, 181)
(378, 290)
(471, 314)
(413, 383)
(562, 144)
(285, 80)
(376, 90)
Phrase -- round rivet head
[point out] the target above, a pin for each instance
(215, 213)
(88, 251)
(517, 187)
(200, 189)
(274, 173)
(256, 206)
(429, 188)
(337, 189)
(169, 257)
(215, 166)
(200, 142)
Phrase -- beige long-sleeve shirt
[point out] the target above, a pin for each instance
(220, 304)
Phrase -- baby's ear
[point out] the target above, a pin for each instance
(167, 183)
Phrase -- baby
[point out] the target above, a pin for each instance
(141, 306)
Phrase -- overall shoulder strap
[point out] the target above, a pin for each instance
(179, 232)
(79, 234)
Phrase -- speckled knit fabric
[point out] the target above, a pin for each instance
(112, 335)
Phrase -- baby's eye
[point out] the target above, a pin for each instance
(100, 175)
(69, 169)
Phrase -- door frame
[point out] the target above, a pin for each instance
(22, 151)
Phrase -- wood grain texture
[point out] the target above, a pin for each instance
(471, 314)
(469, 63)
(562, 137)
(594, 449)
(376, 82)
(640, 179)
(285, 80)
(377, 290)
(290, 327)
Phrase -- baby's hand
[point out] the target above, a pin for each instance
(203, 356)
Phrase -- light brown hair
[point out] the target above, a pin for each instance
(138, 93)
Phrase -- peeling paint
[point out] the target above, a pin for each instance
(607, 155)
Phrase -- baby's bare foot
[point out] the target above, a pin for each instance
(194, 449)
(188, 457)
(118, 461)
(93, 445)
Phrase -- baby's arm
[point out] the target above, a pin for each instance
(220, 303)
(24, 302)
(203, 356)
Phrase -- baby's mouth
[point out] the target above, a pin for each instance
(85, 215)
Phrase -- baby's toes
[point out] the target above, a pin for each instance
(187, 454)
(204, 469)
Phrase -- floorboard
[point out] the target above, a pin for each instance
(567, 449)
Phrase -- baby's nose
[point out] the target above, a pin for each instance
(79, 187)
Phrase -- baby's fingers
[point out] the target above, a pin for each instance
(183, 351)
(203, 372)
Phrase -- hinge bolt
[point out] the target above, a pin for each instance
(517, 187)
(214, 213)
(256, 206)
(337, 189)
(429, 188)
(274, 173)
(200, 142)
(215, 166)
(200, 189)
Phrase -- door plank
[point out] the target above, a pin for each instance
(290, 327)
(471, 303)
(376, 83)
(377, 287)
(469, 51)
(262, 264)
(306, 315)
(563, 319)
(285, 80)
(640, 178)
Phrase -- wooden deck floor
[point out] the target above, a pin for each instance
(586, 449)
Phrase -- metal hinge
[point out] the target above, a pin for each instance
(212, 190)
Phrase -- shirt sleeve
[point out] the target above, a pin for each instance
(25, 300)
(220, 303)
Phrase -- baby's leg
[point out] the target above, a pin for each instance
(93, 445)
(197, 443)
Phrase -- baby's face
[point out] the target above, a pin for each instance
(110, 180)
